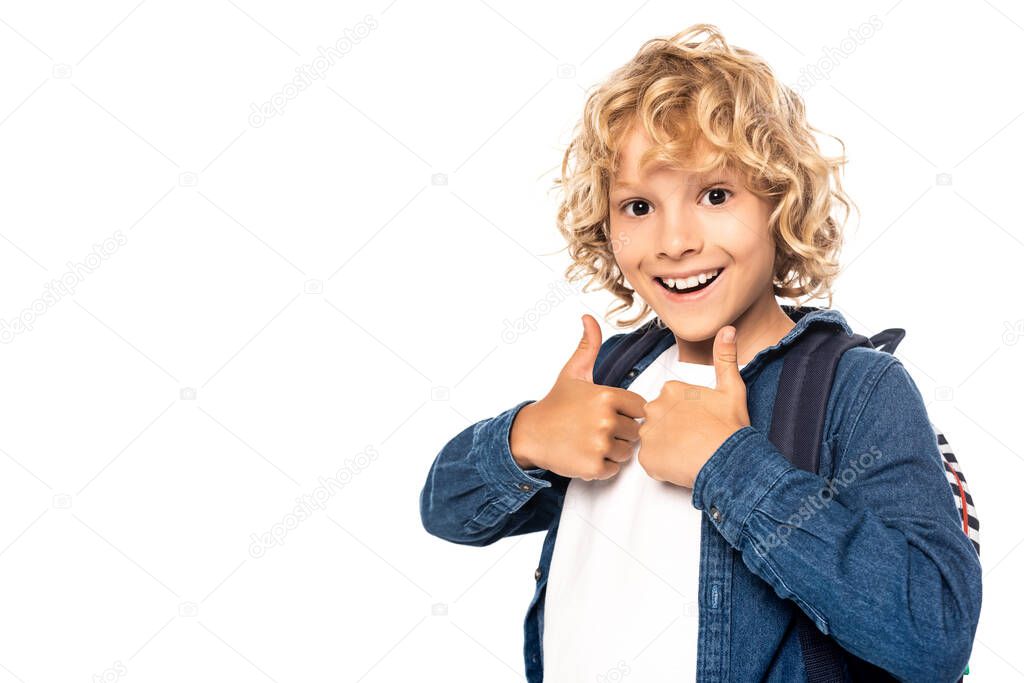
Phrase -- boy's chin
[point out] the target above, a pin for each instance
(690, 328)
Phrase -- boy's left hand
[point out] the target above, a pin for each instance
(687, 423)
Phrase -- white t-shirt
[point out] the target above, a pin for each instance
(622, 587)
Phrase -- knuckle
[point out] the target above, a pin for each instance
(648, 467)
(651, 472)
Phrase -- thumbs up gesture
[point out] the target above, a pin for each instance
(579, 429)
(687, 423)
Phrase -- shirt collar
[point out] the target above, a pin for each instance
(804, 317)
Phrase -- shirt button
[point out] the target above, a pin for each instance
(632, 373)
(525, 487)
(536, 574)
(715, 514)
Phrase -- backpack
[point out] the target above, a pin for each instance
(798, 420)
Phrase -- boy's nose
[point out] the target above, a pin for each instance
(678, 236)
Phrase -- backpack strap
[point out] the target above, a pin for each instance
(798, 423)
(808, 368)
(620, 359)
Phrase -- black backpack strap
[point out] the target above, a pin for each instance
(623, 356)
(808, 368)
(798, 423)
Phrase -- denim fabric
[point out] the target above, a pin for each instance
(870, 547)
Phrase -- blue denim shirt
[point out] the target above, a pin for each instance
(882, 566)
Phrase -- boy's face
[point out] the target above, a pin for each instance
(672, 222)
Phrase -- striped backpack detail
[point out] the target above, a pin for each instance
(961, 494)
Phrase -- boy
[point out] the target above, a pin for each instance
(698, 187)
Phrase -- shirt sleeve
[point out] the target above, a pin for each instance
(476, 493)
(876, 555)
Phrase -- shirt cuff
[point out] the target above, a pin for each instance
(735, 478)
(494, 461)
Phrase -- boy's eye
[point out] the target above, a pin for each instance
(717, 196)
(645, 207)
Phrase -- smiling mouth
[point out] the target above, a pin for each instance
(688, 290)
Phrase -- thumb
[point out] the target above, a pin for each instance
(727, 369)
(581, 363)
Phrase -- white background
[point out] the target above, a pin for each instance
(129, 506)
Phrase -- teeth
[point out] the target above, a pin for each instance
(686, 283)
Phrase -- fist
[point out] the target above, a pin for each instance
(687, 423)
(579, 429)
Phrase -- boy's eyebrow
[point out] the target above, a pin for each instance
(708, 179)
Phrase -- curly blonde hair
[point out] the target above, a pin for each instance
(689, 92)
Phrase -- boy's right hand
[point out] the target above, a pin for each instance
(580, 429)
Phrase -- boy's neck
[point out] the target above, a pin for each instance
(762, 325)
